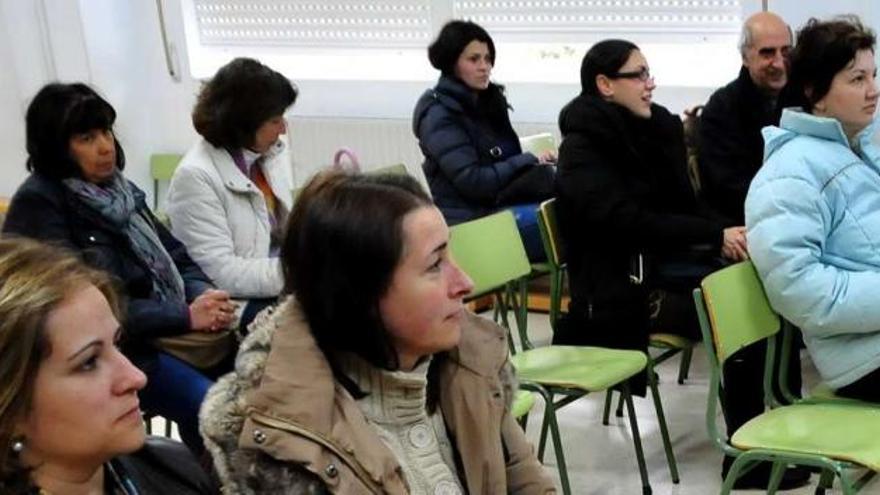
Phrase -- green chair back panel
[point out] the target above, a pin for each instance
(538, 143)
(738, 309)
(590, 369)
(397, 169)
(838, 430)
(490, 251)
(523, 402)
(550, 232)
(163, 165)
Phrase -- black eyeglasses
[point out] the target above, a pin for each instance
(642, 74)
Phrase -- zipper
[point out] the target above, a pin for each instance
(320, 439)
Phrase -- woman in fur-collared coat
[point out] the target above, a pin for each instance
(373, 378)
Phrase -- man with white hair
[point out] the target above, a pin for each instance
(731, 150)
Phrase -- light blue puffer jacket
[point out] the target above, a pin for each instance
(813, 219)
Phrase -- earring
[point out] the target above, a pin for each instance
(18, 446)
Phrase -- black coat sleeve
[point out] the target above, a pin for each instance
(726, 158)
(593, 185)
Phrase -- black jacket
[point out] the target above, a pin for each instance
(163, 467)
(622, 190)
(731, 148)
(470, 154)
(44, 209)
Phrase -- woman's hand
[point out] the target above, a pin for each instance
(547, 157)
(211, 311)
(735, 247)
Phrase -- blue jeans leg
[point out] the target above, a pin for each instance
(527, 223)
(175, 390)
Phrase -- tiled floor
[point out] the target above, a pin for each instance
(601, 459)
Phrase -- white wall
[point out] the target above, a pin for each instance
(117, 46)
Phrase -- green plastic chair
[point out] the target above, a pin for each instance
(396, 169)
(835, 435)
(670, 344)
(162, 167)
(491, 252)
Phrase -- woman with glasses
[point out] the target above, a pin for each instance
(627, 212)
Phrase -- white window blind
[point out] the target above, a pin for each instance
(386, 39)
(311, 23)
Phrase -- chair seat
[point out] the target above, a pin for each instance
(590, 369)
(670, 340)
(523, 402)
(843, 431)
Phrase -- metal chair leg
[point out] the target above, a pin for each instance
(685, 365)
(637, 439)
(664, 429)
(609, 396)
(775, 477)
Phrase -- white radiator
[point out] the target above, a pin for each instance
(377, 143)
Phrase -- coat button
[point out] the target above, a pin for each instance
(331, 471)
(420, 436)
(446, 488)
(259, 436)
(91, 238)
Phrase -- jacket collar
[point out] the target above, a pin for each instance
(233, 178)
(796, 122)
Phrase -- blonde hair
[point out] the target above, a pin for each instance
(35, 279)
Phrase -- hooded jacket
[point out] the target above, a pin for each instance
(282, 424)
(470, 154)
(622, 190)
(813, 220)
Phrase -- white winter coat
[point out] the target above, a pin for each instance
(223, 220)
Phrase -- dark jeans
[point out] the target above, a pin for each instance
(175, 390)
(527, 223)
(866, 388)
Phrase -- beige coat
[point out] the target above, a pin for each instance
(281, 424)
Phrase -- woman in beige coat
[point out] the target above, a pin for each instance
(371, 377)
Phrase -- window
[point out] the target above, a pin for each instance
(537, 40)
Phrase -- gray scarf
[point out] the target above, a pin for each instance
(116, 204)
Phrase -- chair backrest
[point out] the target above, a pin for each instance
(538, 143)
(396, 169)
(163, 165)
(550, 233)
(490, 251)
(738, 312)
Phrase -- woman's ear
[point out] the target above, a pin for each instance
(603, 84)
(818, 106)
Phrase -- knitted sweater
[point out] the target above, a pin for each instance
(395, 407)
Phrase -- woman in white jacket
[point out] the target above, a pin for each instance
(232, 191)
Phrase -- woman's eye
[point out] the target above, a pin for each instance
(89, 364)
(435, 265)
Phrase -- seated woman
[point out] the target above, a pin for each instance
(69, 415)
(812, 209)
(373, 377)
(232, 191)
(473, 160)
(76, 196)
(627, 214)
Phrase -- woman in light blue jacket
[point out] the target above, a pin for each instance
(813, 210)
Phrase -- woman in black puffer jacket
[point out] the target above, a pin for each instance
(472, 155)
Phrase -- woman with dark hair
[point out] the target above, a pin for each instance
(232, 191)
(69, 415)
(76, 196)
(627, 213)
(473, 161)
(370, 377)
(812, 209)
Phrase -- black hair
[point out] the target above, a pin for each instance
(605, 57)
(241, 96)
(342, 243)
(58, 112)
(455, 35)
(823, 49)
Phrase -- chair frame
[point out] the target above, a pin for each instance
(513, 289)
(748, 459)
